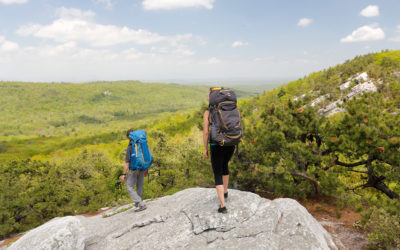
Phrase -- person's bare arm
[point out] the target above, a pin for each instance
(125, 172)
(206, 124)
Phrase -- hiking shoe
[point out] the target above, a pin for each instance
(222, 210)
(226, 195)
(141, 208)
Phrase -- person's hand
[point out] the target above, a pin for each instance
(205, 153)
(123, 177)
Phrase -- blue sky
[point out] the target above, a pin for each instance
(188, 40)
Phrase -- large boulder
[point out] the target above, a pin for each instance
(64, 233)
(189, 220)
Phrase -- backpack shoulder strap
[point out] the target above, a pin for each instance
(135, 142)
(210, 110)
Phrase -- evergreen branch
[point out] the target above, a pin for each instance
(386, 162)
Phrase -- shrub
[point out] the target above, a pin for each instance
(383, 228)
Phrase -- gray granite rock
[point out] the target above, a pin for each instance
(362, 77)
(189, 220)
(319, 99)
(116, 210)
(362, 88)
(356, 91)
(345, 85)
(64, 233)
(332, 108)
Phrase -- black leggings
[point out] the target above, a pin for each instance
(220, 157)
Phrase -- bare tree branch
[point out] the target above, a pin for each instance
(355, 164)
(359, 186)
(350, 165)
(357, 171)
(322, 152)
(311, 180)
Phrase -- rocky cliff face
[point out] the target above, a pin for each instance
(188, 220)
(364, 85)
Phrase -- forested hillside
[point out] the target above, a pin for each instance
(292, 148)
(40, 118)
(62, 145)
(44, 109)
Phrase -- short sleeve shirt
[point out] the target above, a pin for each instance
(128, 153)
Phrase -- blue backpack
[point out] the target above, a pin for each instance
(141, 157)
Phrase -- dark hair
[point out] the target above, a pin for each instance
(128, 132)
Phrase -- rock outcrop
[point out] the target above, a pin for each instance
(60, 233)
(363, 86)
(361, 89)
(319, 99)
(189, 220)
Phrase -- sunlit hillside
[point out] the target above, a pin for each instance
(292, 146)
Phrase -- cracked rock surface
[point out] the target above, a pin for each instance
(64, 233)
(189, 220)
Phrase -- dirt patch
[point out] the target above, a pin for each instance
(341, 223)
(90, 214)
(325, 208)
(8, 241)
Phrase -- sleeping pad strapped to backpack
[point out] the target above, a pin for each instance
(225, 128)
(141, 158)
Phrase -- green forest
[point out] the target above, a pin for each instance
(62, 146)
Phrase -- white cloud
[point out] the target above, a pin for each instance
(161, 49)
(397, 38)
(71, 13)
(183, 51)
(176, 4)
(370, 11)
(213, 60)
(70, 62)
(75, 25)
(365, 33)
(13, 1)
(304, 22)
(201, 41)
(180, 50)
(239, 44)
(7, 46)
(108, 3)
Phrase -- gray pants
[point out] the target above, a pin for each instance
(135, 177)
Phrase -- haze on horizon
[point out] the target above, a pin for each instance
(188, 41)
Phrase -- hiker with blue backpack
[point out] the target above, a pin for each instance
(138, 159)
(222, 130)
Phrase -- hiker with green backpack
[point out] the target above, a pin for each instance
(222, 130)
(138, 159)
